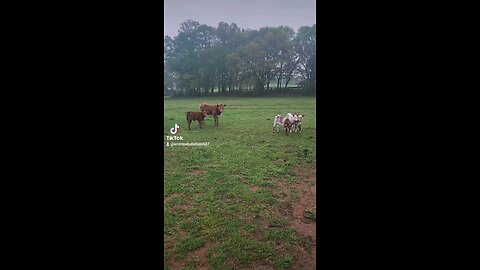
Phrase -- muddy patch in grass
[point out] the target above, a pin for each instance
(298, 207)
(170, 197)
(169, 245)
(178, 209)
(198, 172)
(254, 188)
(196, 259)
(284, 208)
(262, 265)
(305, 259)
(199, 257)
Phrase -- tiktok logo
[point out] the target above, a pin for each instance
(174, 130)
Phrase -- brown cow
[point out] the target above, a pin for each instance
(214, 110)
(199, 116)
(288, 126)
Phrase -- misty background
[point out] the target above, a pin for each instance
(239, 47)
(248, 14)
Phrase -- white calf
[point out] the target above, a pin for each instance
(291, 118)
(278, 122)
(297, 122)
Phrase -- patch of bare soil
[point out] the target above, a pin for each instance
(201, 255)
(198, 172)
(298, 210)
(262, 266)
(262, 224)
(171, 197)
(305, 259)
(181, 207)
(174, 264)
(197, 257)
(285, 208)
(254, 188)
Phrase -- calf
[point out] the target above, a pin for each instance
(288, 126)
(291, 119)
(199, 116)
(297, 122)
(278, 122)
(214, 110)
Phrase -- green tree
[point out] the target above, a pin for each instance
(201, 58)
(305, 48)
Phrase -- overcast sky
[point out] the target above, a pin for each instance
(252, 14)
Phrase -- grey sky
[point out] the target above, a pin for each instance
(252, 14)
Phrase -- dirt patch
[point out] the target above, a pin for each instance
(171, 197)
(298, 207)
(298, 210)
(305, 171)
(197, 257)
(307, 193)
(305, 259)
(175, 265)
(254, 188)
(284, 208)
(280, 188)
(182, 207)
(296, 204)
(169, 245)
(261, 224)
(262, 266)
(308, 230)
(201, 255)
(179, 208)
(198, 172)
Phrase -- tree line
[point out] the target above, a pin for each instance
(202, 58)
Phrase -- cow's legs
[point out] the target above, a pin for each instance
(189, 122)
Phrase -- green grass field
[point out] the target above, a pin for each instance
(238, 202)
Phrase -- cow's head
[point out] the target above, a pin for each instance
(220, 107)
(298, 116)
